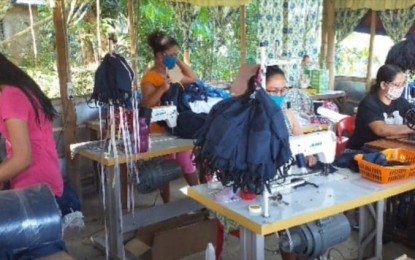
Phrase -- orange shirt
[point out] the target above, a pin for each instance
(152, 77)
(155, 79)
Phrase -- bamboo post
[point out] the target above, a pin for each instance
(323, 47)
(330, 41)
(133, 42)
(32, 30)
(243, 34)
(371, 43)
(62, 54)
(99, 45)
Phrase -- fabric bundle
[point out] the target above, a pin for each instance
(243, 141)
(113, 80)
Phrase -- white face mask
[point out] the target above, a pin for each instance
(394, 93)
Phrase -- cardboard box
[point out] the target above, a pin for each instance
(178, 237)
(319, 80)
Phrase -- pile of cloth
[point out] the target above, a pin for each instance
(243, 141)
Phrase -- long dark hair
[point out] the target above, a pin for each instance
(386, 73)
(253, 82)
(160, 42)
(13, 76)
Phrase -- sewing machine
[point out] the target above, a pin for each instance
(322, 144)
(168, 113)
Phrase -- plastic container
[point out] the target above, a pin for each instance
(144, 136)
(386, 174)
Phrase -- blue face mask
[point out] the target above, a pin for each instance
(169, 61)
(279, 100)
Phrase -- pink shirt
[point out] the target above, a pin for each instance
(45, 165)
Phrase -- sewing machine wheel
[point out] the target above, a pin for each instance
(410, 118)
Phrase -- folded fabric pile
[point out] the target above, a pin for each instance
(243, 141)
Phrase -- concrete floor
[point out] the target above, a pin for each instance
(80, 247)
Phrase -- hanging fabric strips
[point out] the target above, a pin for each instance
(243, 141)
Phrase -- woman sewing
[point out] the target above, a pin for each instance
(277, 88)
(381, 112)
(156, 81)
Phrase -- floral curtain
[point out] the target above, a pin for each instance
(346, 22)
(397, 22)
(377, 5)
(295, 25)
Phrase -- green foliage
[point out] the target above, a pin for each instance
(214, 44)
(352, 61)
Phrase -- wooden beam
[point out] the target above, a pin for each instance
(371, 44)
(243, 34)
(62, 60)
(133, 41)
(323, 47)
(330, 41)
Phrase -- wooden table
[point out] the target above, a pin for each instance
(334, 195)
(382, 144)
(119, 223)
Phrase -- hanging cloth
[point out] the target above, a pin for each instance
(113, 80)
(243, 141)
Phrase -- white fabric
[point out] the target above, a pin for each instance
(201, 106)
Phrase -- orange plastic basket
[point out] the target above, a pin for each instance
(386, 174)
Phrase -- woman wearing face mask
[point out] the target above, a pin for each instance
(381, 112)
(277, 89)
(155, 82)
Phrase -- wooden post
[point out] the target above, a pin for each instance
(68, 113)
(133, 42)
(99, 45)
(323, 47)
(371, 43)
(330, 41)
(243, 34)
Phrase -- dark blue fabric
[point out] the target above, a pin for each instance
(175, 96)
(346, 159)
(188, 122)
(69, 201)
(244, 140)
(376, 157)
(113, 80)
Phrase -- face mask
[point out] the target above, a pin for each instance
(169, 61)
(279, 100)
(394, 93)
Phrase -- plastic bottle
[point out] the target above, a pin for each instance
(144, 135)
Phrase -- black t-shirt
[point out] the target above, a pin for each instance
(372, 109)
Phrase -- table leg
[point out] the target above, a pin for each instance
(113, 213)
(252, 245)
(371, 230)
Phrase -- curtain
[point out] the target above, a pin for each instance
(377, 5)
(346, 22)
(295, 24)
(397, 22)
